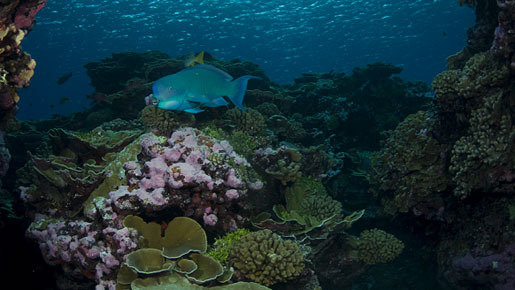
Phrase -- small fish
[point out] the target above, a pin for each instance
(199, 85)
(192, 59)
(64, 78)
(64, 100)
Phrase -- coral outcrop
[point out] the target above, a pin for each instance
(180, 173)
(409, 173)
(17, 67)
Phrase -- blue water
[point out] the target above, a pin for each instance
(286, 38)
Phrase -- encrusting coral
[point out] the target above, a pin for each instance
(265, 258)
(377, 246)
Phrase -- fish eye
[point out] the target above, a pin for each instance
(169, 89)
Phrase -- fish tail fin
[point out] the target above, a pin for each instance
(240, 86)
(200, 58)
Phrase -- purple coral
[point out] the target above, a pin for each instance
(504, 38)
(495, 271)
(182, 172)
(95, 252)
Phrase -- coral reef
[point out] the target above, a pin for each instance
(377, 246)
(114, 206)
(264, 258)
(453, 164)
(361, 105)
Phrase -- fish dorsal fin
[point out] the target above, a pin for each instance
(225, 75)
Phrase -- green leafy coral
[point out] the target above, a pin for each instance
(309, 212)
(221, 247)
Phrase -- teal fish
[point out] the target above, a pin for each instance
(199, 85)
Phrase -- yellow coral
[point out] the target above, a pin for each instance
(265, 258)
(377, 246)
(164, 120)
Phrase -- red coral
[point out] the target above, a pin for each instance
(25, 14)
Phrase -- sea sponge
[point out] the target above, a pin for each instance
(377, 246)
(265, 258)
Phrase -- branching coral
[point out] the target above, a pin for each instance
(164, 120)
(377, 246)
(410, 171)
(459, 91)
(222, 246)
(265, 258)
(251, 121)
(283, 164)
(478, 157)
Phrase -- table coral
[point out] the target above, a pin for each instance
(265, 258)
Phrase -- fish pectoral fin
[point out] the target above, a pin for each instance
(194, 110)
(217, 102)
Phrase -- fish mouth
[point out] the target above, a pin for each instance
(151, 100)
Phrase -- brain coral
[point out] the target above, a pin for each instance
(377, 246)
(265, 258)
